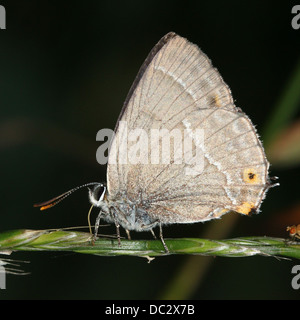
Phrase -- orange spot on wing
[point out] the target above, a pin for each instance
(245, 208)
(250, 176)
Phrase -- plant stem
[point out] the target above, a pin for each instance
(60, 240)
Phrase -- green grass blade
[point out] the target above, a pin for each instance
(60, 240)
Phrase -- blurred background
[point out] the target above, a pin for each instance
(65, 70)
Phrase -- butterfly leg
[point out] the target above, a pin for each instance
(128, 234)
(118, 234)
(154, 224)
(154, 236)
(117, 228)
(162, 239)
(97, 224)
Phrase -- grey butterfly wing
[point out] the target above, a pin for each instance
(178, 90)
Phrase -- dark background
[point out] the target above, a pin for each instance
(65, 70)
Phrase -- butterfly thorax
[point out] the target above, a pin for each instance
(119, 209)
(130, 215)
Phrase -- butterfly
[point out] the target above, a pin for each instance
(177, 88)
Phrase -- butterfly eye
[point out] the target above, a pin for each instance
(97, 194)
(98, 191)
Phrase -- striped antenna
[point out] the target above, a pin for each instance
(54, 201)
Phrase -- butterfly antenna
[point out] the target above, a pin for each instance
(54, 201)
